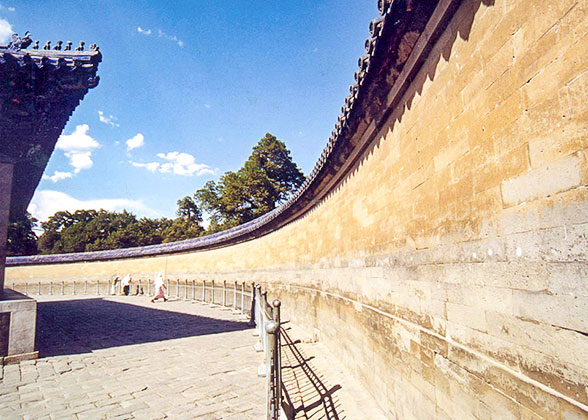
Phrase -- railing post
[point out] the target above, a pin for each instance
(39, 288)
(62, 287)
(264, 318)
(272, 329)
(51, 288)
(264, 304)
(212, 293)
(255, 312)
(193, 290)
(243, 315)
(185, 289)
(177, 288)
(203, 292)
(278, 357)
(26, 288)
(97, 287)
(73, 291)
(224, 294)
(86, 287)
(235, 297)
(251, 300)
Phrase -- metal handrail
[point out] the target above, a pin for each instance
(239, 300)
(268, 327)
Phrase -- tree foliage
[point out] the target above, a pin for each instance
(22, 240)
(91, 230)
(268, 177)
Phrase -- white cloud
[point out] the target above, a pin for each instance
(143, 31)
(80, 160)
(151, 167)
(10, 9)
(58, 176)
(5, 31)
(170, 38)
(163, 35)
(78, 147)
(108, 120)
(78, 141)
(184, 164)
(177, 163)
(46, 203)
(207, 106)
(135, 142)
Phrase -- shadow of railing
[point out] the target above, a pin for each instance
(306, 395)
(83, 325)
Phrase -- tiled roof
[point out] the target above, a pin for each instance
(39, 90)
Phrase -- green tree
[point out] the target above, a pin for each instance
(268, 177)
(181, 229)
(22, 240)
(57, 222)
(187, 209)
(91, 230)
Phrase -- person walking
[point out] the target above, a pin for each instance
(159, 288)
(115, 285)
(126, 285)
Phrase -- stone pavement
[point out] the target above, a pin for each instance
(125, 358)
(318, 386)
(122, 357)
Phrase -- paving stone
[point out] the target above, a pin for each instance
(121, 358)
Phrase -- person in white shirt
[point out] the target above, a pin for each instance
(159, 288)
(126, 285)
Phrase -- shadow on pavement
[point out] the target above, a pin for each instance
(81, 326)
(307, 396)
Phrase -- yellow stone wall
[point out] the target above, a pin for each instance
(449, 269)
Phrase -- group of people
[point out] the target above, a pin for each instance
(124, 286)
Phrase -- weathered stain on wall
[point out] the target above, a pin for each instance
(449, 268)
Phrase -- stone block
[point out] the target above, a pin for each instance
(557, 177)
(469, 316)
(561, 311)
(570, 347)
(21, 336)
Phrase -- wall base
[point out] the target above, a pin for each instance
(17, 335)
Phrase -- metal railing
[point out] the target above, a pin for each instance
(239, 299)
(267, 327)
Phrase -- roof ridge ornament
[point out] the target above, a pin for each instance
(19, 43)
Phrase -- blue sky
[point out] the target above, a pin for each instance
(187, 88)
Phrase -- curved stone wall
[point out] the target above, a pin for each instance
(441, 248)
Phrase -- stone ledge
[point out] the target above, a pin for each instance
(17, 358)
